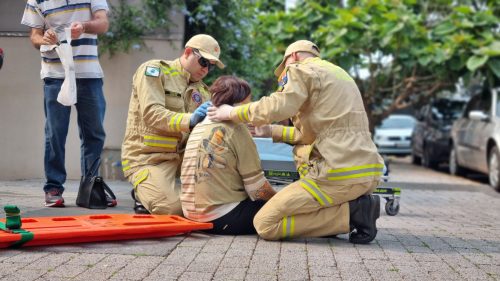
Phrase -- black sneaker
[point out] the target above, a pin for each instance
(53, 198)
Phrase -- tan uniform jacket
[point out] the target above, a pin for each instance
(158, 115)
(331, 132)
(221, 168)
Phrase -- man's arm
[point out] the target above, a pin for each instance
(99, 24)
(39, 37)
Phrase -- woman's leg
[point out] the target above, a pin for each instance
(240, 220)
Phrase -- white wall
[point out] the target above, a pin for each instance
(21, 105)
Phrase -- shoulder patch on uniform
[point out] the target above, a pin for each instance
(283, 81)
(152, 71)
(196, 97)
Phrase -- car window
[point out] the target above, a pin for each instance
(397, 123)
(485, 104)
(474, 104)
(447, 110)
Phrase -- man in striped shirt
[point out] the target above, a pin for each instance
(86, 18)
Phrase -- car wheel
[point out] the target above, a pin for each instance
(494, 168)
(427, 159)
(454, 167)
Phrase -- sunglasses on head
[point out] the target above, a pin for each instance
(203, 61)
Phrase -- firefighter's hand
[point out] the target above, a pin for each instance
(49, 37)
(77, 29)
(220, 113)
(199, 114)
(264, 131)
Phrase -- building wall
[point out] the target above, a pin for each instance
(21, 94)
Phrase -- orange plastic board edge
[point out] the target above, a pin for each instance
(94, 228)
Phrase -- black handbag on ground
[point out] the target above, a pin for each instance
(93, 192)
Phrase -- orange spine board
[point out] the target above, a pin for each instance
(106, 227)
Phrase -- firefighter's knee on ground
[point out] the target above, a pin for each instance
(265, 228)
(165, 208)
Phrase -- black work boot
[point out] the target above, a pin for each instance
(364, 213)
(138, 207)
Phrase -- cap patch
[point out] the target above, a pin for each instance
(152, 71)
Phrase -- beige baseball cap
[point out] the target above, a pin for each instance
(208, 47)
(297, 46)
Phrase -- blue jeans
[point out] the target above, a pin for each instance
(90, 107)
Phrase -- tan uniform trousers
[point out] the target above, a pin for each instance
(296, 212)
(155, 188)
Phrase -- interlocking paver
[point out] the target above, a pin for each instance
(443, 232)
(235, 273)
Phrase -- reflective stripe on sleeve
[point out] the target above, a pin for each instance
(157, 141)
(311, 187)
(303, 170)
(175, 121)
(355, 172)
(242, 112)
(288, 226)
(288, 134)
(125, 165)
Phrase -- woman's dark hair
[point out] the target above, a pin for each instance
(229, 90)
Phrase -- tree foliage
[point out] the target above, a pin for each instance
(398, 51)
(130, 23)
(233, 24)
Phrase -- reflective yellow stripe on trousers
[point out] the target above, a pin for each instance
(141, 176)
(303, 170)
(288, 226)
(161, 142)
(355, 172)
(311, 187)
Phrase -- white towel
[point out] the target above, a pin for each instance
(67, 94)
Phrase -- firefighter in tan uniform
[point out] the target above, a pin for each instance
(168, 100)
(335, 155)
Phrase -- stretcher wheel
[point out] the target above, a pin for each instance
(391, 208)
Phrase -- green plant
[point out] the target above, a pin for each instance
(130, 23)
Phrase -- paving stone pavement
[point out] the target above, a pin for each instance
(445, 230)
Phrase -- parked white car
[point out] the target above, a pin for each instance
(393, 136)
(475, 138)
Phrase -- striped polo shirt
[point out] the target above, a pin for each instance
(60, 14)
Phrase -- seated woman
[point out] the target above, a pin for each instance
(222, 179)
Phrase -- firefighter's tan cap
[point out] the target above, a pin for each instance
(208, 47)
(297, 46)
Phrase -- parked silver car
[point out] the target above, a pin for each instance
(475, 138)
(393, 136)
